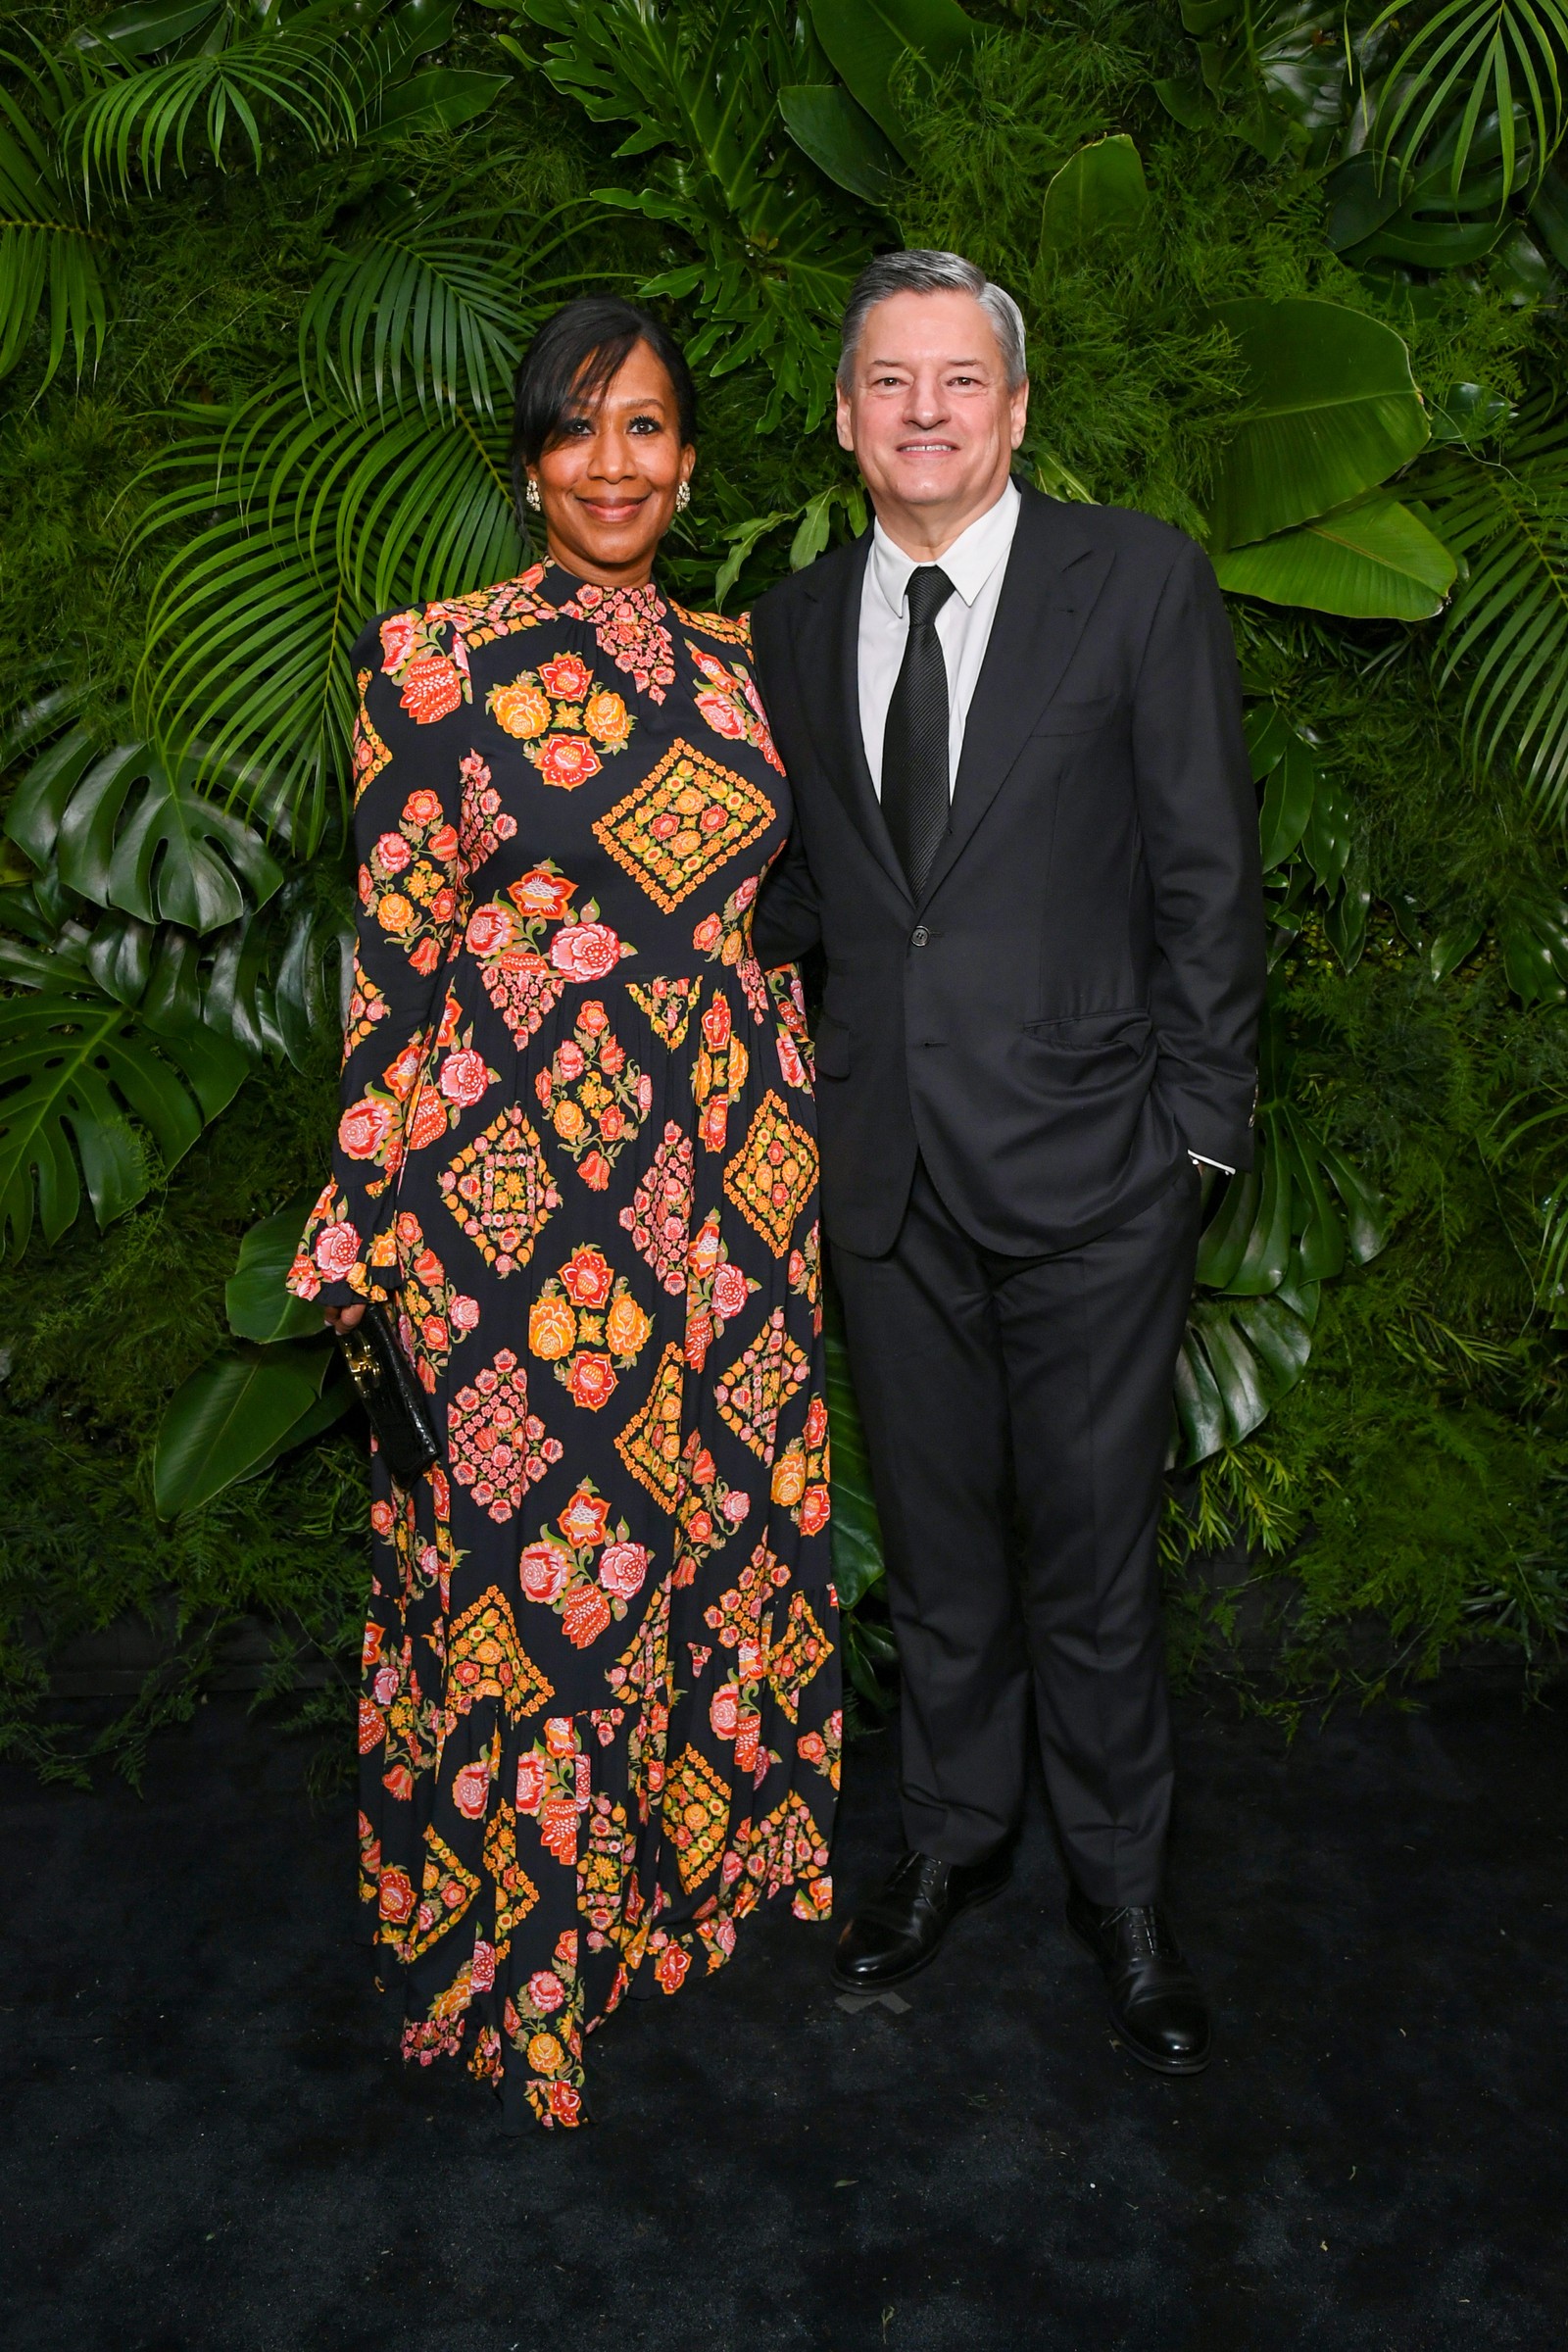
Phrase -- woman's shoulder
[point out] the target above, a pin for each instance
(719, 627)
(424, 650)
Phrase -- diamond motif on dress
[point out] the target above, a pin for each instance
(796, 1656)
(773, 1174)
(497, 1448)
(685, 821)
(669, 1006)
(792, 1843)
(650, 1442)
(757, 1382)
(448, 1890)
(500, 1189)
(696, 1816)
(486, 1660)
(522, 989)
(659, 1215)
(515, 1892)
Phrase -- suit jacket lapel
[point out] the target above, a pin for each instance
(1053, 577)
(833, 707)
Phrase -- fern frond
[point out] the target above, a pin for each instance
(48, 256)
(1508, 624)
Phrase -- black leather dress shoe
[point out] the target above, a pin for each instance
(1156, 2003)
(900, 1929)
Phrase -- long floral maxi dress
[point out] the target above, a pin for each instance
(600, 1715)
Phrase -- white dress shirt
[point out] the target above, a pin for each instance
(976, 564)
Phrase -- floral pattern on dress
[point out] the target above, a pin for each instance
(575, 1160)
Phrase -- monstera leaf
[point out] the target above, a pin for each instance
(127, 833)
(1374, 559)
(1239, 1357)
(79, 1074)
(1330, 410)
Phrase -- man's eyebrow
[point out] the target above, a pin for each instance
(975, 363)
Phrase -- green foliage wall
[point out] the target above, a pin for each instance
(190, 376)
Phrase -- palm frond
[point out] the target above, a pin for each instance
(48, 256)
(1470, 60)
(310, 519)
(431, 302)
(1508, 625)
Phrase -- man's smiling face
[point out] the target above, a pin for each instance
(929, 414)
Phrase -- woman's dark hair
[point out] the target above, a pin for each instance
(571, 362)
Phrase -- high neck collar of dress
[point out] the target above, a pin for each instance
(564, 588)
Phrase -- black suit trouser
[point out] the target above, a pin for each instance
(1032, 1393)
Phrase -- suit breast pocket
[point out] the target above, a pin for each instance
(1063, 717)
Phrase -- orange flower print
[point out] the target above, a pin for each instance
(584, 1616)
(566, 761)
(542, 894)
(551, 1328)
(519, 710)
(626, 1327)
(568, 679)
(670, 1968)
(591, 1382)
(587, 1278)
(607, 719)
(394, 914)
(471, 1790)
(582, 1522)
(722, 716)
(396, 1896)
(362, 1131)
(432, 687)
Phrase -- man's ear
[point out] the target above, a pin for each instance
(842, 416)
(1021, 411)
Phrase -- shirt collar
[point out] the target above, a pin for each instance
(969, 563)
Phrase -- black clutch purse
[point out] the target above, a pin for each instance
(395, 1405)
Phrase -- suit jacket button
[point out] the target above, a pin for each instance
(920, 936)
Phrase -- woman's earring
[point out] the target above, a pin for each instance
(530, 497)
(683, 498)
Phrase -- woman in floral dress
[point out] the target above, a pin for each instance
(600, 1715)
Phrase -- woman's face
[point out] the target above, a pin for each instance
(608, 486)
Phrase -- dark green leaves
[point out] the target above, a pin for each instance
(51, 260)
(840, 138)
(867, 41)
(1329, 411)
(1373, 560)
(78, 1075)
(128, 834)
(1098, 194)
(257, 1306)
(236, 1414)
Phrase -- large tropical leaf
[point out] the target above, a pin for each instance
(1239, 1357)
(323, 517)
(840, 138)
(867, 41)
(1099, 194)
(1373, 560)
(1506, 629)
(51, 260)
(1330, 410)
(857, 1534)
(235, 1414)
(1377, 215)
(257, 1306)
(79, 1074)
(127, 833)
(1471, 59)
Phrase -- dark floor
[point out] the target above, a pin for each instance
(211, 2145)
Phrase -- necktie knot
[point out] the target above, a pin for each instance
(928, 591)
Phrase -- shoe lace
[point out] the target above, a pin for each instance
(1145, 1928)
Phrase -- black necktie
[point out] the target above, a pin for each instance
(915, 747)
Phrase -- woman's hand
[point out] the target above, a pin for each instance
(342, 1318)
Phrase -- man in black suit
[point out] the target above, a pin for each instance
(1027, 842)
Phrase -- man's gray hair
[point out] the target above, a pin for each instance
(924, 272)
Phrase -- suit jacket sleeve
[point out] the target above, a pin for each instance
(788, 922)
(1199, 818)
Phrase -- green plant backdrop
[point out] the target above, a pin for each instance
(1294, 280)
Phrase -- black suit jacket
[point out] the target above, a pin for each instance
(1073, 1003)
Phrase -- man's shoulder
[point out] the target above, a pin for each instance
(809, 585)
(1119, 530)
